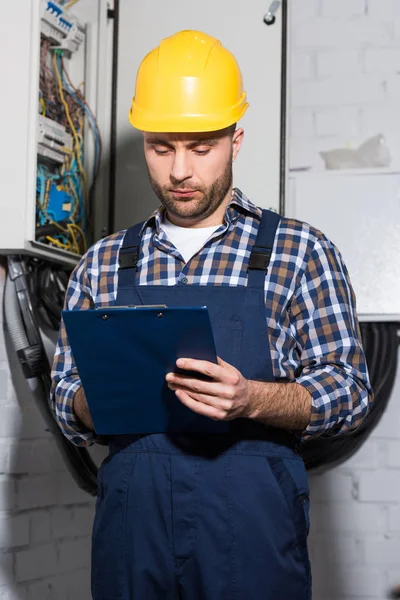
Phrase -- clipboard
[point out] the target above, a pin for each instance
(123, 355)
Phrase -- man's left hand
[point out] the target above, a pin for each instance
(225, 397)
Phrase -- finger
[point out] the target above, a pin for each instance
(232, 375)
(200, 366)
(211, 388)
(222, 372)
(222, 363)
(199, 407)
(223, 404)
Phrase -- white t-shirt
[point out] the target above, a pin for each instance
(188, 240)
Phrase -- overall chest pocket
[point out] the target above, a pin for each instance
(227, 330)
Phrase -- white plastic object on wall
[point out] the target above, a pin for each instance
(53, 140)
(61, 27)
(374, 152)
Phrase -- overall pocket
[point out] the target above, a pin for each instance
(108, 537)
(291, 478)
(227, 330)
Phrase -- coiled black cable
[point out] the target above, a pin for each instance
(381, 343)
(20, 309)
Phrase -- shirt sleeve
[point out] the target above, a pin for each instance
(332, 361)
(65, 378)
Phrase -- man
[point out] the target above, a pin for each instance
(221, 516)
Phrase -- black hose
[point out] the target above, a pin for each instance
(25, 335)
(49, 229)
(381, 343)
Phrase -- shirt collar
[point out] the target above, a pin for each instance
(239, 204)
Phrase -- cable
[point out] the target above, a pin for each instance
(49, 229)
(71, 3)
(67, 177)
(61, 101)
(76, 94)
(74, 132)
(64, 229)
(381, 344)
(92, 119)
(75, 226)
(22, 294)
(67, 246)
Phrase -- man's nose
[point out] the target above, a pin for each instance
(181, 167)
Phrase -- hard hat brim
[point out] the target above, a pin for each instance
(152, 123)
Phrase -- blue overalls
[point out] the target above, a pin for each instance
(205, 517)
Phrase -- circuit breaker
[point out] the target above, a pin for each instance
(53, 120)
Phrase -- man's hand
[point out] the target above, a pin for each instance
(229, 395)
(224, 398)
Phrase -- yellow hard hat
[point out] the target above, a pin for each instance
(190, 83)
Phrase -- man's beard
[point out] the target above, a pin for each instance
(204, 204)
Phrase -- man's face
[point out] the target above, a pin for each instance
(191, 173)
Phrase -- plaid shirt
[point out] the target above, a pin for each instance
(313, 330)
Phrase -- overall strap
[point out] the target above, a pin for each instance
(258, 262)
(128, 256)
(262, 249)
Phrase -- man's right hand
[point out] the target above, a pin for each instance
(81, 409)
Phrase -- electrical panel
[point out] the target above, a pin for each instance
(54, 121)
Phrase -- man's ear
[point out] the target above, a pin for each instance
(237, 140)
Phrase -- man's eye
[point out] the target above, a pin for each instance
(202, 152)
(161, 152)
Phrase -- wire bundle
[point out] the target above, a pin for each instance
(34, 294)
(65, 104)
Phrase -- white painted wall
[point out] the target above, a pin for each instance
(344, 87)
(345, 76)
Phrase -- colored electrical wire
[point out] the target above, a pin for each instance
(43, 203)
(94, 127)
(67, 6)
(64, 103)
(92, 119)
(74, 132)
(82, 235)
(59, 244)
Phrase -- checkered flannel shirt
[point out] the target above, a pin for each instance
(314, 334)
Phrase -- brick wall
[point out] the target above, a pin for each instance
(345, 81)
(45, 519)
(345, 86)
